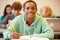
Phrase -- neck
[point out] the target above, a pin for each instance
(17, 15)
(29, 21)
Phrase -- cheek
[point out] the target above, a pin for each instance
(43, 13)
(17, 11)
(34, 12)
(25, 10)
(7, 11)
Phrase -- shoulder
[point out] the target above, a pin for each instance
(41, 19)
(54, 16)
(9, 17)
(1, 16)
(18, 17)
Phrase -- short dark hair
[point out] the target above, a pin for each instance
(29, 1)
(17, 6)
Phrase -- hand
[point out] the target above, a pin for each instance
(15, 35)
(24, 35)
(7, 25)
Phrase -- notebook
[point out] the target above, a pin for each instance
(29, 38)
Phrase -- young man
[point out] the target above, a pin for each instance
(29, 24)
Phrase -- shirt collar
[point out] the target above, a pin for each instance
(35, 20)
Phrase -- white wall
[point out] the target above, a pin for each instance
(54, 4)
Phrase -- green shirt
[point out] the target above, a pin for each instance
(54, 16)
(39, 27)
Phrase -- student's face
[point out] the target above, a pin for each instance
(16, 12)
(30, 10)
(45, 13)
(9, 10)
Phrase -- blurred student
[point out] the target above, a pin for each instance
(46, 12)
(29, 23)
(7, 11)
(16, 8)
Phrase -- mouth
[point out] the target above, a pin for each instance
(30, 15)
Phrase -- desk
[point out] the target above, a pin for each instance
(2, 30)
(17, 39)
(2, 39)
(56, 39)
(33, 38)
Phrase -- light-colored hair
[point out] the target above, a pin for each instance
(47, 8)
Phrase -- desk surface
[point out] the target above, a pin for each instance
(17, 39)
(2, 39)
(2, 30)
(56, 39)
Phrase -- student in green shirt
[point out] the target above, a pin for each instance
(29, 23)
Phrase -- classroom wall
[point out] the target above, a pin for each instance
(54, 4)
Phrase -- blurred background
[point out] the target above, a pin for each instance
(54, 5)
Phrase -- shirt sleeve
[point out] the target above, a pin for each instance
(1, 18)
(47, 32)
(12, 28)
(5, 20)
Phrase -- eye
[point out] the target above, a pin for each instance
(27, 8)
(33, 8)
(46, 11)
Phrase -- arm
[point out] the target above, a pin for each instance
(5, 20)
(1, 18)
(47, 32)
(10, 30)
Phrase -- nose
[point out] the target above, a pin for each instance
(30, 10)
(16, 11)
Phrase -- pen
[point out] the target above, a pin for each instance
(13, 28)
